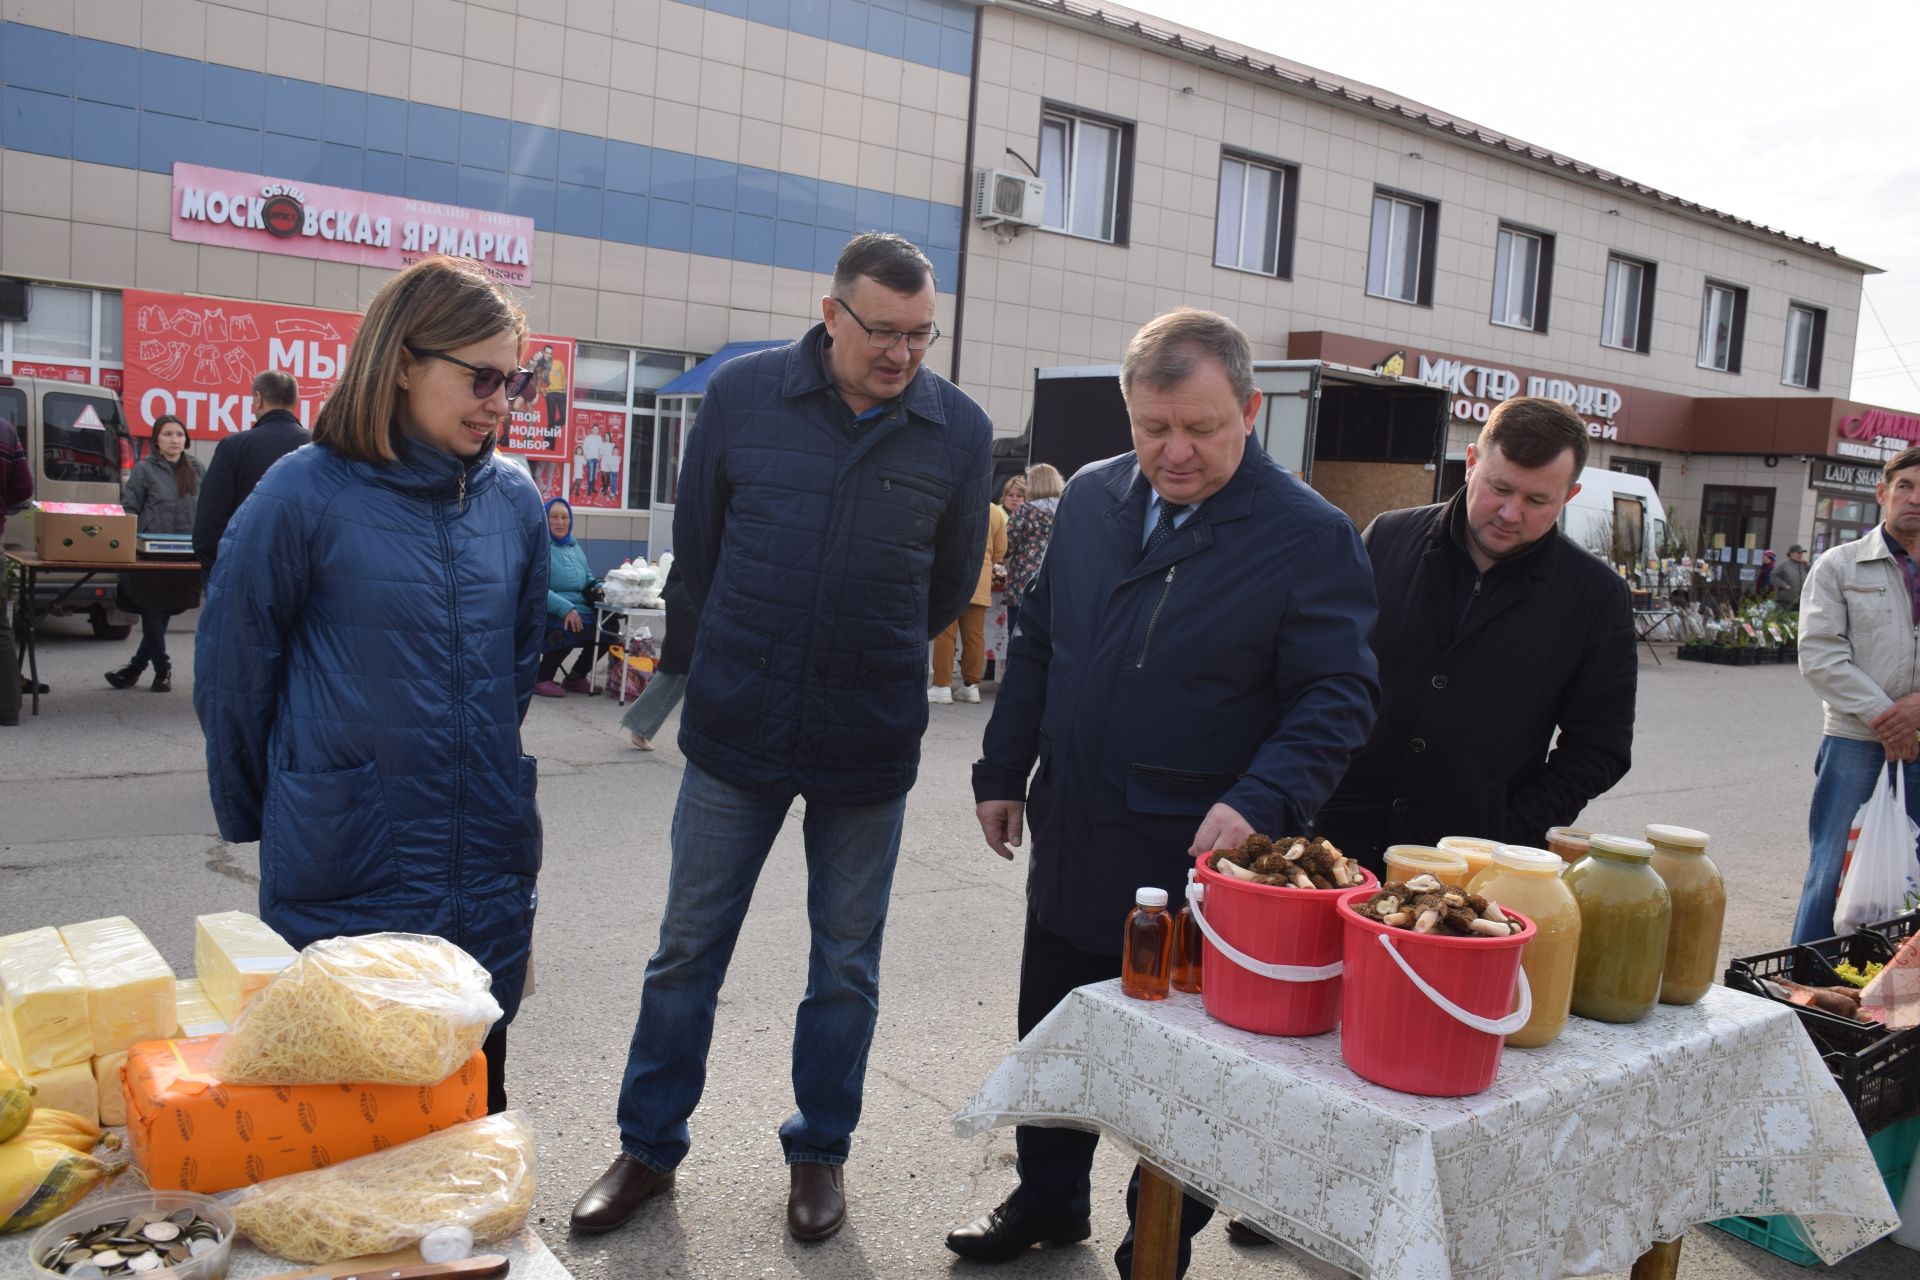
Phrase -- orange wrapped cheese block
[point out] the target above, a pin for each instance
(189, 1132)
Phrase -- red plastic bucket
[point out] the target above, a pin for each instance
(1271, 960)
(1425, 1013)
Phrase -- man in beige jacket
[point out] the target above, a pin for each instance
(970, 628)
(1860, 650)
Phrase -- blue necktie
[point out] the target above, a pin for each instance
(1162, 527)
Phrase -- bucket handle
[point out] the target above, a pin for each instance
(1196, 894)
(1492, 1026)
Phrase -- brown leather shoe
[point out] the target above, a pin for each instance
(816, 1200)
(618, 1194)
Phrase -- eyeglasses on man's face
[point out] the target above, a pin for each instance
(884, 339)
(486, 378)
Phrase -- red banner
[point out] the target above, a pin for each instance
(538, 428)
(599, 458)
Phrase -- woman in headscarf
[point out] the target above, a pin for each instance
(571, 588)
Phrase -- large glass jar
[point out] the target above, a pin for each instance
(1529, 881)
(1569, 842)
(1477, 852)
(1624, 915)
(1405, 861)
(1699, 898)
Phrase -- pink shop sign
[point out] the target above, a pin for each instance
(248, 211)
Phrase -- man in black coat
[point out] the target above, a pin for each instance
(240, 461)
(1495, 630)
(1191, 666)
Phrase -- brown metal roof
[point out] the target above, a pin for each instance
(1308, 81)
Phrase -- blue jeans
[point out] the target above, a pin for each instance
(655, 703)
(721, 836)
(1844, 775)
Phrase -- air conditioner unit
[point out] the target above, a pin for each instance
(1000, 196)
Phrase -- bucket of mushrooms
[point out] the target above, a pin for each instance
(1433, 985)
(1270, 962)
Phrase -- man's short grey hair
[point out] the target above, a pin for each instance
(891, 261)
(276, 387)
(1169, 348)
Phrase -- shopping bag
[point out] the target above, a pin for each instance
(1885, 873)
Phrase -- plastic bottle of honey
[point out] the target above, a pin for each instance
(1477, 852)
(1186, 952)
(1528, 881)
(1147, 960)
(1699, 909)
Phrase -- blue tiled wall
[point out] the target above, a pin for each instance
(935, 33)
(109, 104)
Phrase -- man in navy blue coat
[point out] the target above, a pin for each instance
(831, 519)
(1191, 667)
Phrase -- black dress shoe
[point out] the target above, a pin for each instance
(126, 677)
(1240, 1233)
(816, 1199)
(618, 1194)
(1006, 1232)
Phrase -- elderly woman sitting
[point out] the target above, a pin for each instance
(571, 587)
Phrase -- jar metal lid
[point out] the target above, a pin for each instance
(1521, 858)
(1150, 897)
(1621, 846)
(1684, 837)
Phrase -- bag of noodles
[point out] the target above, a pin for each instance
(387, 1008)
(477, 1175)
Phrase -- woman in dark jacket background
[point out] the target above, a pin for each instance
(162, 491)
(368, 647)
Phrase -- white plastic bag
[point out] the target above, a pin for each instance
(1884, 871)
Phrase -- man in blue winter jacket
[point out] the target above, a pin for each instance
(1191, 667)
(831, 520)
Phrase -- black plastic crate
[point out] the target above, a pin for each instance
(1877, 1071)
(1895, 931)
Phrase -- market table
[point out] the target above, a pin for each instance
(628, 615)
(31, 566)
(1648, 620)
(1583, 1157)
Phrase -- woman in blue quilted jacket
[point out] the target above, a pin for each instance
(570, 614)
(369, 643)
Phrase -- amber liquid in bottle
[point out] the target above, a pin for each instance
(1148, 958)
(1186, 952)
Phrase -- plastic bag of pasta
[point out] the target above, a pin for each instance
(477, 1175)
(388, 1008)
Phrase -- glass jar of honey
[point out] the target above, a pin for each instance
(1477, 852)
(1528, 881)
(1625, 912)
(1405, 861)
(1699, 898)
(1569, 842)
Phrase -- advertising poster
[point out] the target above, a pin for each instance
(599, 455)
(195, 358)
(538, 428)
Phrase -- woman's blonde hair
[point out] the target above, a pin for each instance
(437, 304)
(1043, 481)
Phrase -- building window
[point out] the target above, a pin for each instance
(1400, 255)
(1626, 313)
(1084, 162)
(1637, 467)
(1522, 279)
(1723, 321)
(1736, 519)
(1806, 340)
(1254, 227)
(73, 335)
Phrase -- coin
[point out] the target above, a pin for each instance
(106, 1258)
(160, 1232)
(144, 1262)
(202, 1246)
(183, 1217)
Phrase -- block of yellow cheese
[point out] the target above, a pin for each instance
(130, 989)
(234, 955)
(43, 1003)
(106, 1079)
(197, 1015)
(69, 1088)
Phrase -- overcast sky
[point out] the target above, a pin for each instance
(1796, 116)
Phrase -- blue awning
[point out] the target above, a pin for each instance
(694, 381)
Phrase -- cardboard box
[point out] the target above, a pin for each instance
(84, 531)
(189, 1132)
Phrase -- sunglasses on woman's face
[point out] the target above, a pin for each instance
(486, 378)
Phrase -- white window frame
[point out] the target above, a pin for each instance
(1809, 376)
(633, 410)
(1708, 296)
(96, 362)
(1613, 304)
(1506, 245)
(1072, 126)
(1416, 213)
(1280, 177)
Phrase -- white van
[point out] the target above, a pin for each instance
(1616, 516)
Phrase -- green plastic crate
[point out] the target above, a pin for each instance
(1782, 1235)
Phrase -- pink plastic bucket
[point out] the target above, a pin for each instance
(1271, 958)
(1424, 1013)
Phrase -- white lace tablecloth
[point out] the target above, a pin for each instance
(1580, 1156)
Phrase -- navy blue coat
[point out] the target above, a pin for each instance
(820, 555)
(1229, 665)
(363, 663)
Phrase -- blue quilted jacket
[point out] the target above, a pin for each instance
(363, 662)
(822, 553)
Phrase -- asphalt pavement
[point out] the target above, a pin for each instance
(105, 812)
